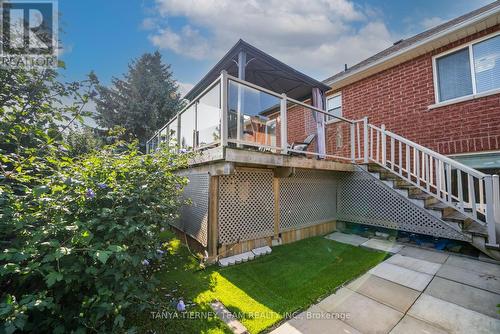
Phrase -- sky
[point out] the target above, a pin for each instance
(316, 37)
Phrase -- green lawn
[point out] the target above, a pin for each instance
(291, 278)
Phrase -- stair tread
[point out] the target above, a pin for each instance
(388, 176)
(422, 196)
(456, 216)
(476, 228)
(404, 186)
(437, 206)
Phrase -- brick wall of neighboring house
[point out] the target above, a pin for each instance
(399, 97)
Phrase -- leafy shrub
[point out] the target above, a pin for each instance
(83, 141)
(78, 235)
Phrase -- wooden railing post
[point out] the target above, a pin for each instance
(284, 126)
(365, 139)
(224, 108)
(384, 145)
(490, 209)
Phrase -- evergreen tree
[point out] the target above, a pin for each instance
(145, 99)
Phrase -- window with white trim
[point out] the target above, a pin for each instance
(468, 71)
(334, 106)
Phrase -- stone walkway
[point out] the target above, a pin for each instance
(414, 291)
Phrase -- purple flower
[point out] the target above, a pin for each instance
(90, 193)
(183, 150)
(102, 185)
(145, 262)
(159, 251)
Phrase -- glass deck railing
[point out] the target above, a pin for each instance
(236, 113)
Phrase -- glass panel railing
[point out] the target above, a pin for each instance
(252, 117)
(187, 123)
(302, 131)
(208, 112)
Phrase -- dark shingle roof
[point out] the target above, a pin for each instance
(400, 45)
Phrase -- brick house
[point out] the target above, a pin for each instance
(440, 88)
(407, 140)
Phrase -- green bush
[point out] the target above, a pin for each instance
(79, 236)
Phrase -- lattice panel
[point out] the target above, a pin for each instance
(194, 217)
(307, 198)
(364, 200)
(246, 205)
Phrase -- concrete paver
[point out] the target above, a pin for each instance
(314, 321)
(351, 239)
(383, 245)
(469, 277)
(409, 262)
(474, 265)
(379, 319)
(386, 292)
(451, 317)
(424, 254)
(475, 299)
(407, 277)
(414, 326)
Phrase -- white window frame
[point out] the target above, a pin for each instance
(334, 120)
(474, 94)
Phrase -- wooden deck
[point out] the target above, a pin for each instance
(223, 160)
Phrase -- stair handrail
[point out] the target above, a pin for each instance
(439, 156)
(433, 173)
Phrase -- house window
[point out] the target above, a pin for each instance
(334, 106)
(471, 70)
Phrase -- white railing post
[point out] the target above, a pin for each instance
(179, 124)
(365, 139)
(284, 127)
(353, 143)
(490, 210)
(195, 130)
(384, 145)
(496, 201)
(223, 104)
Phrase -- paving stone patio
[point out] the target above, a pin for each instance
(414, 291)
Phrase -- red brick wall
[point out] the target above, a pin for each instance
(399, 97)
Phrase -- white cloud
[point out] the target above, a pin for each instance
(187, 42)
(316, 36)
(149, 23)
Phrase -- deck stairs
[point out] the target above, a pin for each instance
(460, 197)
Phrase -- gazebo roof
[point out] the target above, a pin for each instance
(262, 70)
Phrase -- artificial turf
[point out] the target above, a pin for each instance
(260, 292)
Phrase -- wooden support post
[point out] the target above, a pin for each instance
(276, 191)
(213, 216)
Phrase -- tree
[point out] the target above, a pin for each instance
(79, 236)
(144, 100)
